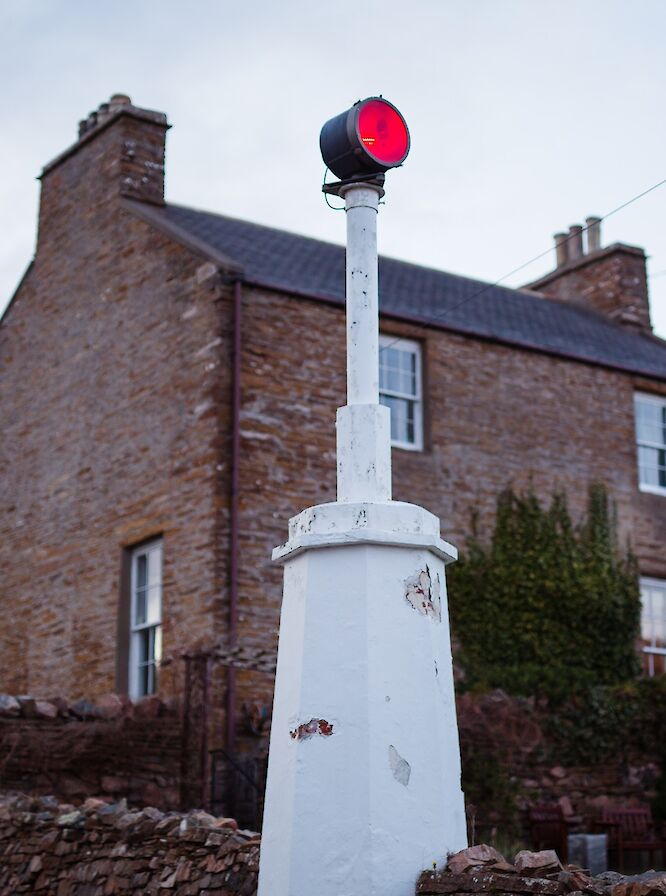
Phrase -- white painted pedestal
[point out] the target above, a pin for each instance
(364, 775)
(364, 767)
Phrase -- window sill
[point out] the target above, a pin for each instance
(652, 489)
(406, 446)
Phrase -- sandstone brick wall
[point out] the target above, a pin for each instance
(494, 415)
(104, 849)
(114, 376)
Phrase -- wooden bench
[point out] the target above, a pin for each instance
(548, 828)
(631, 829)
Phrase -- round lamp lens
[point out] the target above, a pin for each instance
(383, 132)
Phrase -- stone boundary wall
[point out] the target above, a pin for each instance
(511, 733)
(103, 849)
(112, 748)
(118, 749)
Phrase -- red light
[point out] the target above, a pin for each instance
(383, 132)
(367, 139)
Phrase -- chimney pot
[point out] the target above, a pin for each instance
(83, 126)
(561, 249)
(120, 99)
(575, 242)
(593, 224)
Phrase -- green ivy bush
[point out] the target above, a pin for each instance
(548, 607)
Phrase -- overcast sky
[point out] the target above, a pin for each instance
(526, 115)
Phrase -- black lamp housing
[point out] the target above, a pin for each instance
(343, 150)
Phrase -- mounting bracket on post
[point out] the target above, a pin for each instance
(335, 187)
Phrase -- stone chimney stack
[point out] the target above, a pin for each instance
(119, 153)
(561, 249)
(609, 280)
(593, 225)
(575, 242)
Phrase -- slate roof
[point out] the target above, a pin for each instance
(301, 265)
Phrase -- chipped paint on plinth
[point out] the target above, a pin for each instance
(400, 767)
(422, 592)
(309, 729)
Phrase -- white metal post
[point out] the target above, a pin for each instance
(361, 205)
(363, 425)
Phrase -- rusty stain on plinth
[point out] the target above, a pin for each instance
(309, 729)
(422, 591)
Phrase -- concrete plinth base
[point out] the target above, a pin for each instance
(364, 770)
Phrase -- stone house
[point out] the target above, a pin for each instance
(168, 386)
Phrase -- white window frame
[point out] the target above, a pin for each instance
(649, 649)
(660, 402)
(407, 345)
(152, 548)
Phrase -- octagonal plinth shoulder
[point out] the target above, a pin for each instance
(394, 523)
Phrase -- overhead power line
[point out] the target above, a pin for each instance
(488, 286)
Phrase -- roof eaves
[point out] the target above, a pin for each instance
(184, 236)
(151, 215)
(467, 332)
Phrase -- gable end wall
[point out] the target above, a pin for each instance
(111, 372)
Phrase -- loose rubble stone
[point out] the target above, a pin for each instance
(481, 856)
(610, 878)
(9, 706)
(83, 709)
(35, 865)
(537, 864)
(111, 706)
(69, 819)
(45, 709)
(577, 881)
(225, 823)
(61, 703)
(152, 813)
(651, 882)
(92, 804)
(570, 881)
